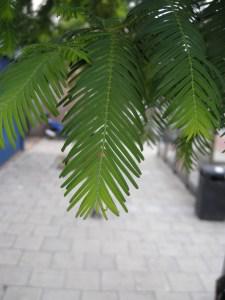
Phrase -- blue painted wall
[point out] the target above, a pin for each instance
(9, 150)
(4, 61)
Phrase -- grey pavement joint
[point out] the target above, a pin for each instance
(22, 293)
(61, 294)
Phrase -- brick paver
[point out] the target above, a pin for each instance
(159, 251)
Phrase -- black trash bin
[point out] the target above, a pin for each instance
(210, 202)
(220, 286)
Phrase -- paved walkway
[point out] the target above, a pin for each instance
(159, 251)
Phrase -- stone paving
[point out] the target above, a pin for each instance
(159, 251)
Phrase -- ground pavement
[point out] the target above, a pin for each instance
(159, 251)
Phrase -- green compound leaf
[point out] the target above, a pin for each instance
(30, 87)
(180, 69)
(104, 127)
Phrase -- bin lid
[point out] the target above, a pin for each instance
(215, 170)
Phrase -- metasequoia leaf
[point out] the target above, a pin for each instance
(182, 73)
(213, 27)
(104, 127)
(194, 150)
(7, 10)
(7, 32)
(30, 87)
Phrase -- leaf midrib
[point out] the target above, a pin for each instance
(190, 62)
(106, 117)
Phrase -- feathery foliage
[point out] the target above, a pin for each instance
(213, 27)
(67, 10)
(7, 31)
(104, 126)
(155, 63)
(7, 10)
(189, 152)
(38, 79)
(177, 55)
